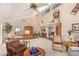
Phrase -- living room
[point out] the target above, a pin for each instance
(43, 27)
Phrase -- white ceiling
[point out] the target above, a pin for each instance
(12, 10)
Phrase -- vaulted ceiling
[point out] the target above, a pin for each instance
(17, 10)
(12, 10)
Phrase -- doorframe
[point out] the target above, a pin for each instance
(0, 33)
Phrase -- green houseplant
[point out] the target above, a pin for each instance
(7, 27)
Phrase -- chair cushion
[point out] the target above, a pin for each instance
(77, 40)
(74, 48)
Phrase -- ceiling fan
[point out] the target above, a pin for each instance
(35, 6)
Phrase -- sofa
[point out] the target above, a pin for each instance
(73, 51)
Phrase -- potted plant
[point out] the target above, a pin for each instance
(7, 27)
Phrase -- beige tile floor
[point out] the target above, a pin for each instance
(38, 42)
(47, 46)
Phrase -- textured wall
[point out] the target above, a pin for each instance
(66, 18)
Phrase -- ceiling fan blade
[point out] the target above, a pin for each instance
(27, 9)
(41, 4)
(36, 5)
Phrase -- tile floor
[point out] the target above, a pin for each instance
(47, 46)
(39, 42)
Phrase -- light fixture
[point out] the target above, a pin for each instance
(33, 6)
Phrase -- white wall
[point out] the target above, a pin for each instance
(21, 22)
(65, 16)
(67, 19)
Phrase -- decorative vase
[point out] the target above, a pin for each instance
(34, 51)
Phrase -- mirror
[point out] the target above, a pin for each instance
(75, 27)
(17, 29)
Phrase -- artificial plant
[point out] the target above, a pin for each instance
(7, 27)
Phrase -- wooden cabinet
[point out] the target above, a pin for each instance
(57, 42)
(28, 32)
(44, 35)
(58, 30)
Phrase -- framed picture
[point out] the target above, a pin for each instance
(75, 27)
(56, 14)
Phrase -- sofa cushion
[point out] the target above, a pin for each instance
(77, 40)
(73, 51)
(74, 48)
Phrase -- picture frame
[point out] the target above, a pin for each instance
(75, 27)
(56, 14)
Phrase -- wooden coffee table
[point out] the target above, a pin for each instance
(41, 51)
(68, 44)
